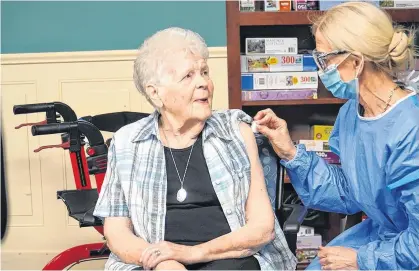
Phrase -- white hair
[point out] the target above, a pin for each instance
(150, 66)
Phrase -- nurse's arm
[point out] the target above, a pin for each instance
(319, 185)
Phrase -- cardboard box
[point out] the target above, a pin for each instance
(271, 46)
(277, 63)
(305, 5)
(305, 231)
(328, 4)
(306, 255)
(309, 242)
(316, 145)
(285, 5)
(279, 80)
(271, 5)
(329, 157)
(247, 5)
(279, 95)
(399, 4)
(321, 132)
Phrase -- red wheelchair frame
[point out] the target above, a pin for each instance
(80, 202)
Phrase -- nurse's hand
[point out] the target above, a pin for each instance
(338, 258)
(276, 130)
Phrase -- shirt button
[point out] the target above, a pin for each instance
(217, 182)
(241, 174)
(229, 212)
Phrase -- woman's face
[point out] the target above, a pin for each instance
(347, 65)
(187, 89)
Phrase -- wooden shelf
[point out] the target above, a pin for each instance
(294, 102)
(305, 17)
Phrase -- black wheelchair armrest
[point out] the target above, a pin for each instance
(295, 219)
(80, 205)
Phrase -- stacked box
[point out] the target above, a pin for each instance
(305, 5)
(277, 5)
(278, 80)
(328, 4)
(320, 143)
(321, 132)
(316, 145)
(308, 248)
(277, 63)
(247, 5)
(329, 157)
(272, 69)
(271, 46)
(399, 4)
(277, 95)
(313, 241)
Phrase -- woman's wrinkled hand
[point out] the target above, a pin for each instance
(276, 130)
(163, 251)
(338, 258)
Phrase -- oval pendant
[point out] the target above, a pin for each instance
(181, 195)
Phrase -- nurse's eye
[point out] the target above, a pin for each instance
(205, 72)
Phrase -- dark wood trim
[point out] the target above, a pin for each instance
(294, 102)
(233, 54)
(306, 17)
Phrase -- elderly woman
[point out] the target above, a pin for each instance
(184, 187)
(376, 134)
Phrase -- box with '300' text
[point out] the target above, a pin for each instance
(279, 80)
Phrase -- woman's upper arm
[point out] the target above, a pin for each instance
(258, 207)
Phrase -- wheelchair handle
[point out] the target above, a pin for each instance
(53, 128)
(63, 109)
(32, 108)
(90, 131)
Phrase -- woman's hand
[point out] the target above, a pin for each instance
(275, 129)
(338, 258)
(163, 251)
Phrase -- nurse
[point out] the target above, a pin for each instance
(376, 135)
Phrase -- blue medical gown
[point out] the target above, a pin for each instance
(375, 153)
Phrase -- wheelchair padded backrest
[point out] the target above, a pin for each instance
(269, 161)
(112, 122)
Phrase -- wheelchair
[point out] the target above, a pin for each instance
(88, 151)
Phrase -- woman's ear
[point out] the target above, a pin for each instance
(153, 94)
(359, 64)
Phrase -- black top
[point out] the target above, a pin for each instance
(199, 218)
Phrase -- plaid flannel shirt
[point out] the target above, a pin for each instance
(135, 182)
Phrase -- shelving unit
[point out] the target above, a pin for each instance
(299, 114)
(237, 20)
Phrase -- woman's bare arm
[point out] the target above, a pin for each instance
(122, 241)
(259, 228)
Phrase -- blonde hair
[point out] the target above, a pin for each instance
(364, 28)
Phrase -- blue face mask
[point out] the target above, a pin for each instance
(334, 83)
(340, 89)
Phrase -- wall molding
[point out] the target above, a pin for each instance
(86, 56)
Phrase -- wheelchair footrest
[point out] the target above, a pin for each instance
(80, 205)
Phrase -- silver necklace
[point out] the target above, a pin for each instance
(181, 193)
(390, 97)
